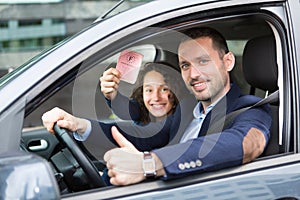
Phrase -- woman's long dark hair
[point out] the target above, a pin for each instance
(172, 79)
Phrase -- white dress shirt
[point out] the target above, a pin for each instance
(194, 127)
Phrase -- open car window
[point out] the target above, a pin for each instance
(83, 91)
(81, 95)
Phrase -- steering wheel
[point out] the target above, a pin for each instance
(86, 164)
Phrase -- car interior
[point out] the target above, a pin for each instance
(253, 38)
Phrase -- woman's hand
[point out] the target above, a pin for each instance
(109, 83)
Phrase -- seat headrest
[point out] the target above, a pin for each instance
(259, 63)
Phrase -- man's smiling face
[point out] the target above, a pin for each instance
(202, 69)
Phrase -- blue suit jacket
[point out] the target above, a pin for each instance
(208, 152)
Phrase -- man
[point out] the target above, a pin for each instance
(205, 63)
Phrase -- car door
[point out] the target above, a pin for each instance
(269, 177)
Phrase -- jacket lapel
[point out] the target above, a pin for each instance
(219, 112)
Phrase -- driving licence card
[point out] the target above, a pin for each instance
(129, 64)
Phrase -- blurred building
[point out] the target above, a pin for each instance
(29, 26)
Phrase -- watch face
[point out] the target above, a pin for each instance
(148, 165)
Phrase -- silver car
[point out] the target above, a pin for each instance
(263, 34)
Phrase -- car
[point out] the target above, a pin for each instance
(265, 38)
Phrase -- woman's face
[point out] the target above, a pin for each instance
(156, 95)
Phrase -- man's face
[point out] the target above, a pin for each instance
(202, 69)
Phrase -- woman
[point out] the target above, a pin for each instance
(156, 96)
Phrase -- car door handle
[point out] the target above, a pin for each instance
(38, 145)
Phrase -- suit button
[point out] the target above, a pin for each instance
(192, 164)
(181, 166)
(187, 165)
(198, 163)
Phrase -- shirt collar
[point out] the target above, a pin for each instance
(198, 110)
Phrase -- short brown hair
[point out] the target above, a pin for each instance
(219, 42)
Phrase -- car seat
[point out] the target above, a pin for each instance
(261, 72)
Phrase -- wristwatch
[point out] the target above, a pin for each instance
(149, 165)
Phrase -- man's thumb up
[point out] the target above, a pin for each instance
(121, 140)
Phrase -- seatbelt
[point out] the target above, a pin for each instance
(217, 127)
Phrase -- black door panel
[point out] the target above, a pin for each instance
(40, 141)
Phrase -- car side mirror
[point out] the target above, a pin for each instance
(26, 176)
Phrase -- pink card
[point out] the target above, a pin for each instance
(129, 64)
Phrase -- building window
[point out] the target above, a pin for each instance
(3, 24)
(33, 22)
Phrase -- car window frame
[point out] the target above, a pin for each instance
(248, 168)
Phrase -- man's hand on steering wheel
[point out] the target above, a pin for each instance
(60, 122)
(95, 179)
